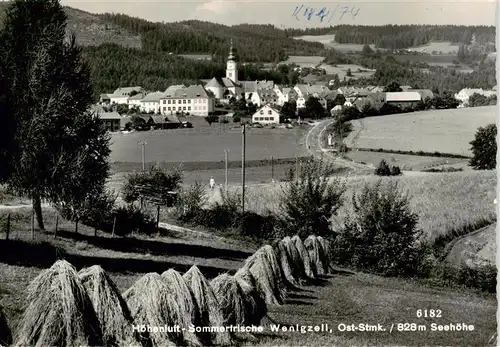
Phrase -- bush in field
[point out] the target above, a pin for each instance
(380, 235)
(131, 219)
(484, 148)
(310, 199)
(156, 183)
(383, 169)
(190, 203)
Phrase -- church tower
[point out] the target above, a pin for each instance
(231, 66)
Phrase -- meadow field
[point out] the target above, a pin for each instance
(309, 61)
(445, 131)
(432, 60)
(444, 202)
(441, 47)
(207, 144)
(405, 161)
(341, 70)
(329, 42)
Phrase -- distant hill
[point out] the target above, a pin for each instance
(93, 30)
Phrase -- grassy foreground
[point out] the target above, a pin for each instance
(343, 298)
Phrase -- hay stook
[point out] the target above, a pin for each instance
(188, 313)
(286, 264)
(256, 307)
(309, 269)
(112, 311)
(316, 254)
(5, 333)
(265, 268)
(327, 250)
(152, 304)
(59, 311)
(210, 311)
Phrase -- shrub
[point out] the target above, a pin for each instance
(309, 201)
(130, 219)
(381, 233)
(383, 169)
(156, 183)
(189, 206)
(236, 119)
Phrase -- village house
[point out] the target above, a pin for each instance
(266, 115)
(464, 95)
(402, 99)
(151, 102)
(104, 99)
(285, 94)
(264, 97)
(111, 120)
(194, 100)
(121, 95)
(135, 101)
(304, 91)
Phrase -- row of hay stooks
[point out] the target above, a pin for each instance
(70, 308)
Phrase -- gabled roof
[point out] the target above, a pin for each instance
(104, 96)
(402, 96)
(102, 114)
(126, 90)
(139, 96)
(158, 119)
(173, 88)
(153, 97)
(192, 92)
(267, 106)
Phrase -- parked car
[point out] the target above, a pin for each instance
(186, 124)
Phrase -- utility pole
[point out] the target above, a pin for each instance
(272, 169)
(225, 161)
(243, 144)
(143, 145)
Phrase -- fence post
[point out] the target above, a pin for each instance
(158, 220)
(33, 223)
(272, 169)
(114, 226)
(57, 225)
(7, 227)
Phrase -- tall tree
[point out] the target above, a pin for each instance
(484, 148)
(314, 108)
(7, 126)
(393, 87)
(289, 109)
(61, 148)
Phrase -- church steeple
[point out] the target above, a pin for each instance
(231, 55)
(231, 66)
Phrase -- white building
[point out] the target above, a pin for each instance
(264, 97)
(121, 95)
(266, 115)
(151, 102)
(195, 100)
(464, 95)
(135, 101)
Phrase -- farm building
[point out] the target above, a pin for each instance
(266, 115)
(121, 95)
(402, 99)
(111, 120)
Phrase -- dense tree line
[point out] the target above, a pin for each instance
(253, 43)
(405, 36)
(114, 66)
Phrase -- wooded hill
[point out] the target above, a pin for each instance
(404, 36)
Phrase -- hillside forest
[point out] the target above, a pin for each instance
(157, 64)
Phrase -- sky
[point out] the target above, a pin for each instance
(283, 13)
